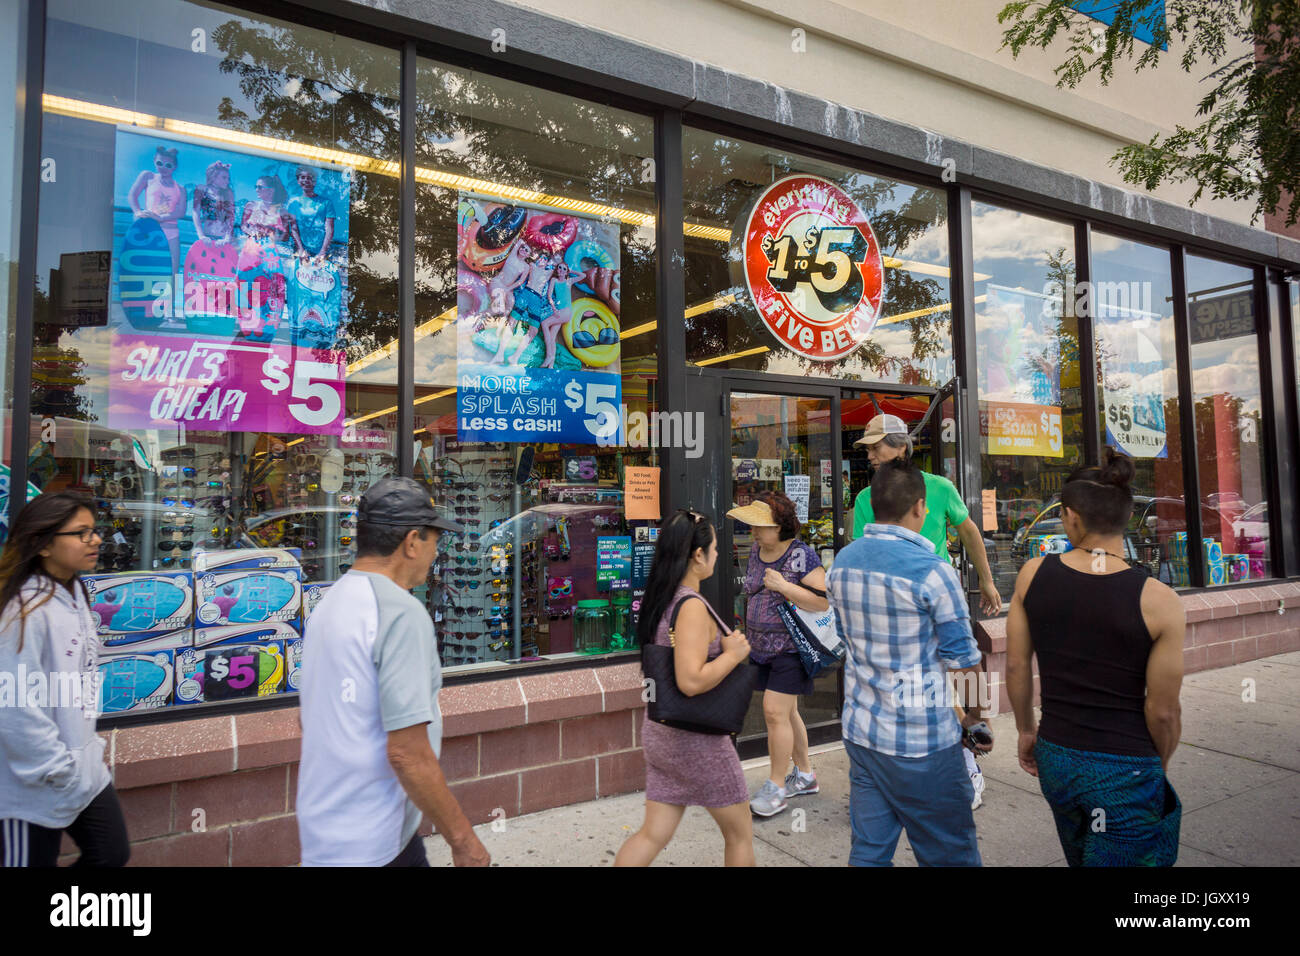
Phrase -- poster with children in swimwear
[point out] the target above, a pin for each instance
(539, 342)
(229, 287)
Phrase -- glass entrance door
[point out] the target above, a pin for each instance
(802, 443)
(784, 443)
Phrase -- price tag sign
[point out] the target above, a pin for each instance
(240, 671)
(499, 404)
(219, 385)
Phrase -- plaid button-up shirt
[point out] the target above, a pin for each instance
(903, 615)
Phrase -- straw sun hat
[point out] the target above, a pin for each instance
(756, 514)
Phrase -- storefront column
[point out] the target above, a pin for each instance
(960, 255)
(1281, 438)
(671, 299)
(1187, 418)
(28, 105)
(1086, 344)
(406, 269)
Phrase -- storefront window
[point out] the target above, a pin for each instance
(798, 266)
(216, 265)
(1229, 428)
(1137, 392)
(12, 31)
(1031, 412)
(535, 364)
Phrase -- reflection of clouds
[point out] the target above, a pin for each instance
(1007, 234)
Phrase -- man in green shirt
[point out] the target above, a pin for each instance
(886, 439)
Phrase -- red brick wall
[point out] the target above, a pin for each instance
(219, 791)
(510, 746)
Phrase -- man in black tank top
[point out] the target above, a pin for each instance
(1109, 642)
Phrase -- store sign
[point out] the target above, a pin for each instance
(1222, 316)
(229, 288)
(813, 267)
(613, 563)
(539, 346)
(1031, 430)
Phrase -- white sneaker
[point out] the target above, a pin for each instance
(977, 781)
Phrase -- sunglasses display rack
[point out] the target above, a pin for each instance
(473, 581)
(568, 551)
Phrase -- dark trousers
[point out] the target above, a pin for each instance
(412, 855)
(99, 832)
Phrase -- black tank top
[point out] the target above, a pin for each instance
(1092, 646)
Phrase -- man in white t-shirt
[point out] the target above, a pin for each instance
(371, 727)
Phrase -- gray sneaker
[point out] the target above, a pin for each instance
(769, 801)
(796, 787)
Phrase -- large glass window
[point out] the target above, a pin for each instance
(800, 266)
(1031, 412)
(13, 27)
(535, 360)
(1228, 407)
(216, 268)
(1137, 392)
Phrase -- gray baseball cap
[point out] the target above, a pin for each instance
(402, 503)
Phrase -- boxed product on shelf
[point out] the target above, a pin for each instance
(230, 672)
(140, 602)
(1238, 566)
(247, 596)
(133, 682)
(262, 559)
(281, 632)
(146, 642)
(292, 665)
(312, 595)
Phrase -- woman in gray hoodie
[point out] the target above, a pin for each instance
(52, 773)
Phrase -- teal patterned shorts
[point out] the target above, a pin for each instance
(1110, 809)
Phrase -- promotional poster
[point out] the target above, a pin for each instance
(229, 288)
(1132, 381)
(813, 267)
(1019, 374)
(539, 344)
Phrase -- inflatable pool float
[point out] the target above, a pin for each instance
(592, 333)
(551, 231)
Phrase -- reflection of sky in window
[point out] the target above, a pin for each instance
(1223, 366)
(1134, 324)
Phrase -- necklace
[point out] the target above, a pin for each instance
(1104, 551)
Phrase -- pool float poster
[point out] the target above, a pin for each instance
(538, 337)
(229, 288)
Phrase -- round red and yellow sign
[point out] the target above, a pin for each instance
(813, 267)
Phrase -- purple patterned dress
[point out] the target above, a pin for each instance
(683, 768)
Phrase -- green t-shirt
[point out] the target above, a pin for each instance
(943, 507)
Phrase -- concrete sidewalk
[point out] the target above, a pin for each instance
(1237, 771)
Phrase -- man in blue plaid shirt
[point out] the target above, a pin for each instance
(903, 614)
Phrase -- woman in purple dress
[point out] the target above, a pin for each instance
(684, 768)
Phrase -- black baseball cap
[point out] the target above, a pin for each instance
(402, 503)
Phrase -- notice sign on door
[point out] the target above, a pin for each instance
(1014, 429)
(797, 489)
(828, 484)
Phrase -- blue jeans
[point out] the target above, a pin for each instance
(928, 796)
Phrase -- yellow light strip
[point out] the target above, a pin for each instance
(639, 329)
(710, 305)
(701, 231)
(733, 355)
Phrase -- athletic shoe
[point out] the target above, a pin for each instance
(769, 801)
(977, 781)
(796, 787)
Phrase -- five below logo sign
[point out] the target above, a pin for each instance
(813, 267)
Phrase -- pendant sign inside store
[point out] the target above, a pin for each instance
(813, 267)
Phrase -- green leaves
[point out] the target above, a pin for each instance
(1248, 143)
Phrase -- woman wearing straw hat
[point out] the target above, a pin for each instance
(781, 568)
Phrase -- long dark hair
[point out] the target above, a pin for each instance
(679, 536)
(21, 559)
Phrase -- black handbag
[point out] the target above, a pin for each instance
(720, 710)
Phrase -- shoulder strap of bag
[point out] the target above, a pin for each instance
(672, 620)
(794, 547)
